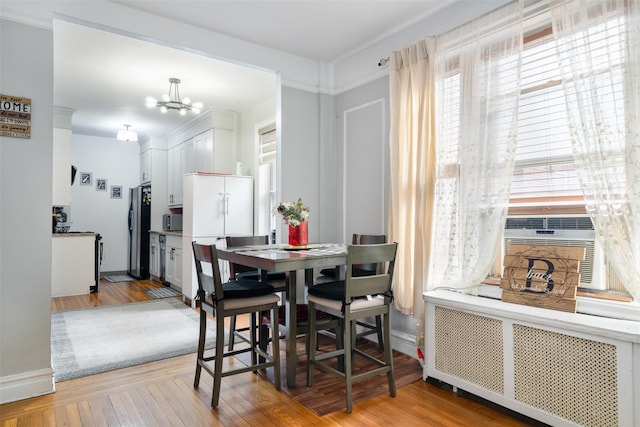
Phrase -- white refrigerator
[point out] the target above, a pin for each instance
(214, 206)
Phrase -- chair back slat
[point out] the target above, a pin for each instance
(232, 241)
(383, 254)
(207, 270)
(369, 239)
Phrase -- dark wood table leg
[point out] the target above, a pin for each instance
(290, 312)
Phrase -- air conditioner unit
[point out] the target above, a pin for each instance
(573, 231)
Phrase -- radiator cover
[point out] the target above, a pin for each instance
(559, 368)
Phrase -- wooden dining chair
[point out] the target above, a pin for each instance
(242, 272)
(356, 298)
(364, 270)
(279, 281)
(228, 299)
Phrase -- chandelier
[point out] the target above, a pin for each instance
(172, 101)
(127, 135)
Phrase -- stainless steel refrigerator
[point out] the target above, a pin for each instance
(139, 224)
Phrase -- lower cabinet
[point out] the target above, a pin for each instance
(173, 261)
(73, 264)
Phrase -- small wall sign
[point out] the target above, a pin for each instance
(116, 192)
(15, 116)
(542, 276)
(101, 184)
(86, 178)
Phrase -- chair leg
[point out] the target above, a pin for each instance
(340, 343)
(379, 330)
(217, 370)
(275, 345)
(232, 332)
(348, 350)
(202, 338)
(311, 339)
(354, 336)
(388, 356)
(252, 337)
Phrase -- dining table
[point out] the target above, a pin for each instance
(288, 259)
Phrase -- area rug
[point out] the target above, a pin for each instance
(89, 341)
(328, 394)
(118, 278)
(162, 293)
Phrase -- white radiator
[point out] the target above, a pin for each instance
(560, 368)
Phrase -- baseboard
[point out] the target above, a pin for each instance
(401, 341)
(26, 385)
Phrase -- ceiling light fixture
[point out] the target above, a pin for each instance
(172, 101)
(127, 135)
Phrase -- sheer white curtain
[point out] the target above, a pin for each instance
(598, 46)
(412, 170)
(478, 89)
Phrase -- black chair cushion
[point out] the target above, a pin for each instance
(356, 272)
(254, 275)
(246, 289)
(330, 290)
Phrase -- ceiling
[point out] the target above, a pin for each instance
(106, 77)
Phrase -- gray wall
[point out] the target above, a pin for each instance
(25, 215)
(362, 147)
(298, 154)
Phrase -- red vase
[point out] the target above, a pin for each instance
(299, 235)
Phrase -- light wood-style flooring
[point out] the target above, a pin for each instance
(162, 394)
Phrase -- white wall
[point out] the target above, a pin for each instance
(26, 70)
(119, 163)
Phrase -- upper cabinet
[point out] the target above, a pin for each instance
(205, 145)
(176, 168)
(145, 167)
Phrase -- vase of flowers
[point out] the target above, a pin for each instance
(295, 215)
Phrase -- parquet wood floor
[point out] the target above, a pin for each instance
(162, 394)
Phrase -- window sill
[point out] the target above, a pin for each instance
(586, 305)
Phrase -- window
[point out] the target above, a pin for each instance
(544, 183)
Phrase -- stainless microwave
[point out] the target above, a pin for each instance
(172, 222)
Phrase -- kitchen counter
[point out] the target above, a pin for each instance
(74, 234)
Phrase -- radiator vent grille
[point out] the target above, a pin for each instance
(469, 347)
(571, 377)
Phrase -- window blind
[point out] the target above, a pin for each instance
(267, 144)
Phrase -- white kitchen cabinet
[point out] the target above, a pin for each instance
(211, 151)
(217, 205)
(72, 264)
(214, 206)
(224, 151)
(145, 167)
(176, 162)
(173, 261)
(154, 255)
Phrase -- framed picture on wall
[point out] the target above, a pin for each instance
(116, 192)
(101, 184)
(86, 178)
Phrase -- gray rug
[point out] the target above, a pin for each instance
(90, 341)
(118, 278)
(162, 293)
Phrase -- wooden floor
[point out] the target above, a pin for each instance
(162, 394)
